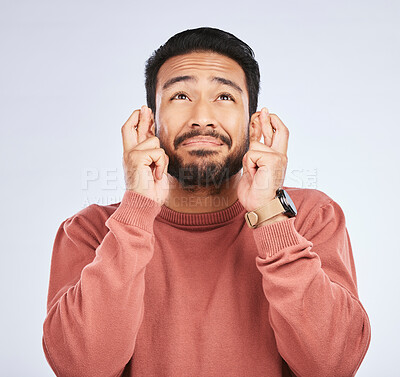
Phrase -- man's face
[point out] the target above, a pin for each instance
(202, 96)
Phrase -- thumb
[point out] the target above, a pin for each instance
(244, 165)
(166, 164)
(249, 166)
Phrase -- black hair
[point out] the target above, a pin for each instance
(204, 39)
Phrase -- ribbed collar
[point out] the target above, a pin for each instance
(209, 218)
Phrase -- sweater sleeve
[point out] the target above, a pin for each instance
(95, 298)
(309, 280)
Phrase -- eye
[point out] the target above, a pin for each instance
(227, 95)
(179, 96)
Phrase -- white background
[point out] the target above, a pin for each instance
(72, 72)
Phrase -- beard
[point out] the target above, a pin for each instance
(207, 174)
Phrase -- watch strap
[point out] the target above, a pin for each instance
(257, 216)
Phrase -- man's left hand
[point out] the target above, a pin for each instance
(264, 165)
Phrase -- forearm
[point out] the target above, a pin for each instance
(320, 326)
(93, 325)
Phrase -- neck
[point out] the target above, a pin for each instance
(201, 200)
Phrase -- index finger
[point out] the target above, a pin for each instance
(129, 133)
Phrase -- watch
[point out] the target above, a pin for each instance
(281, 204)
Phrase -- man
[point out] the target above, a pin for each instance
(201, 270)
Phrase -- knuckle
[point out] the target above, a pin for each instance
(157, 140)
(162, 152)
(154, 141)
(252, 144)
(130, 155)
(282, 159)
(275, 158)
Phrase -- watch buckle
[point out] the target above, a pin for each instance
(251, 219)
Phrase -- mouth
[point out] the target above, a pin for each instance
(202, 141)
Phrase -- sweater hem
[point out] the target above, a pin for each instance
(137, 210)
(276, 236)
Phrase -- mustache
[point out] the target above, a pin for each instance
(180, 139)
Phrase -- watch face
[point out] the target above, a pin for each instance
(287, 203)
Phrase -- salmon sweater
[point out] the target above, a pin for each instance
(137, 289)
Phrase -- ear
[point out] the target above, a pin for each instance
(255, 130)
(151, 130)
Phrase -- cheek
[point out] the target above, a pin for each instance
(168, 125)
(172, 119)
(230, 116)
(237, 128)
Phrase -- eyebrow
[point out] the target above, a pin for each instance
(219, 80)
(227, 82)
(176, 79)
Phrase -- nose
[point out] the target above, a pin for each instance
(202, 115)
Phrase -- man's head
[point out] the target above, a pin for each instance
(203, 83)
(204, 39)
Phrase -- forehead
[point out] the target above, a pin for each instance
(201, 64)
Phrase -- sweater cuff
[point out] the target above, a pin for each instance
(138, 210)
(276, 236)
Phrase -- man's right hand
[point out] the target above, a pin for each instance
(145, 163)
